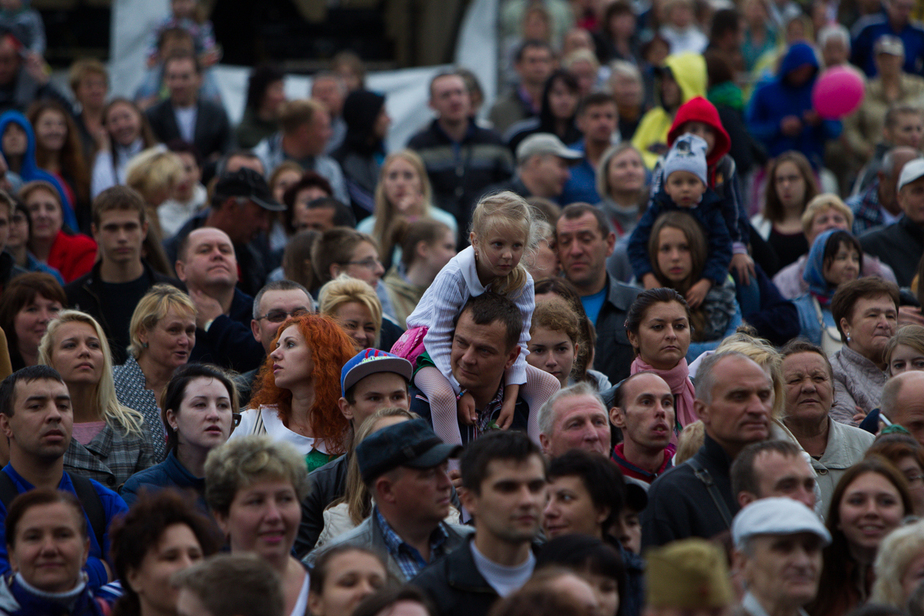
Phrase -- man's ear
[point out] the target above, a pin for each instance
(5, 427)
(382, 490)
(346, 408)
(739, 561)
(255, 330)
(616, 417)
(180, 268)
(544, 443)
(94, 232)
(334, 270)
(469, 499)
(610, 243)
(581, 122)
(602, 514)
(745, 499)
(512, 357)
(144, 230)
(702, 411)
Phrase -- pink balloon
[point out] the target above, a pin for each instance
(838, 92)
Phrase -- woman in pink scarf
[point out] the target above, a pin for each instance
(658, 326)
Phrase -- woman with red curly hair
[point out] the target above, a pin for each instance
(298, 388)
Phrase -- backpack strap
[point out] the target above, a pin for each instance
(8, 490)
(703, 475)
(92, 505)
(86, 494)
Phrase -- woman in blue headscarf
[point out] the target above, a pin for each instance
(835, 258)
(17, 144)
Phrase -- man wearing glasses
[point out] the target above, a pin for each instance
(275, 303)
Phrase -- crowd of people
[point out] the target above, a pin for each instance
(643, 336)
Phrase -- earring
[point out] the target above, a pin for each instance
(144, 345)
(848, 336)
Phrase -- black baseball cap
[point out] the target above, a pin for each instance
(249, 184)
(409, 443)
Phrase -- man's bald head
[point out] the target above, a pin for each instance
(892, 164)
(902, 402)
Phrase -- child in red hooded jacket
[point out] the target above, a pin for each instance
(699, 117)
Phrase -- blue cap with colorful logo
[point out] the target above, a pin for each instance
(371, 361)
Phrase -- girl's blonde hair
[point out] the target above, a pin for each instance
(690, 440)
(153, 171)
(129, 420)
(510, 210)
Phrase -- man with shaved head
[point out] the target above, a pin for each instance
(241, 205)
(644, 412)
(902, 402)
(207, 264)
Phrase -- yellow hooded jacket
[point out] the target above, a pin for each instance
(689, 70)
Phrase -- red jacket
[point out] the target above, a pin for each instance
(72, 255)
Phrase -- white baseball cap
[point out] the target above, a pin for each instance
(913, 170)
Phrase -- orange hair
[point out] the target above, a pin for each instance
(330, 348)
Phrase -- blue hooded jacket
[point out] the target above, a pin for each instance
(30, 171)
(777, 99)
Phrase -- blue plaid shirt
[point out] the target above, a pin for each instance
(867, 211)
(487, 415)
(407, 557)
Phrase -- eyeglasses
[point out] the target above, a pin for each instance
(278, 316)
(370, 263)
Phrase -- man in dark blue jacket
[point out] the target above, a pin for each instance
(895, 20)
(36, 417)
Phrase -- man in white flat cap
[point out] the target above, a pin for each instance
(900, 244)
(778, 543)
(543, 167)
